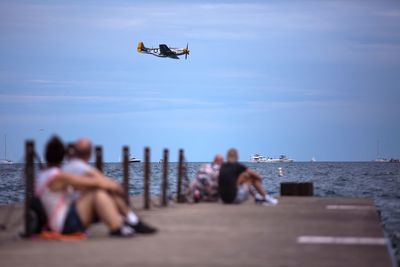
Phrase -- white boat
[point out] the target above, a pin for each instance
(5, 160)
(133, 159)
(260, 158)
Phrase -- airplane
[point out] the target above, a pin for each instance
(164, 51)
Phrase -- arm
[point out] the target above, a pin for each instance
(63, 179)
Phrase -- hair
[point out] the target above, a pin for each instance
(83, 149)
(232, 155)
(55, 151)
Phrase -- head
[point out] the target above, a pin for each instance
(55, 151)
(218, 160)
(83, 149)
(232, 155)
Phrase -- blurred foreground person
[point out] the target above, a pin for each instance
(236, 182)
(68, 215)
(78, 165)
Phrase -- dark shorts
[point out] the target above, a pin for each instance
(73, 223)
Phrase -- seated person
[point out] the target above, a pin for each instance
(67, 215)
(205, 186)
(78, 165)
(236, 182)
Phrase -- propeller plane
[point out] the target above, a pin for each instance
(164, 51)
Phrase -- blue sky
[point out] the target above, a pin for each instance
(301, 78)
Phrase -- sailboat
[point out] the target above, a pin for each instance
(5, 160)
(378, 158)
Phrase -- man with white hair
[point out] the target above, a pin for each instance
(235, 181)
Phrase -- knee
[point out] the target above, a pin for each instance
(101, 195)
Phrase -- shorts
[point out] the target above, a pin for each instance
(72, 222)
(242, 193)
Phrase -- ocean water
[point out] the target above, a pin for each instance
(376, 180)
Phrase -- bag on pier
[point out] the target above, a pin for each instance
(37, 216)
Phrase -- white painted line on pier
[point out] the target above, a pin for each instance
(347, 240)
(349, 207)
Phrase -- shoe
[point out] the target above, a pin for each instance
(270, 200)
(123, 231)
(142, 228)
(196, 196)
(267, 201)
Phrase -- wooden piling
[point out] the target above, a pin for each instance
(99, 158)
(29, 183)
(164, 183)
(180, 196)
(125, 167)
(146, 182)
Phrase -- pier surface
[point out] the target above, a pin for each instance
(299, 231)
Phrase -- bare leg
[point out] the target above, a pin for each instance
(121, 205)
(104, 206)
(252, 179)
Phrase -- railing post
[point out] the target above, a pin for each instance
(164, 183)
(125, 182)
(29, 183)
(180, 196)
(146, 185)
(99, 158)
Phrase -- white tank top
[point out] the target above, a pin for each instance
(55, 203)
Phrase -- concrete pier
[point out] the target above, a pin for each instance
(299, 231)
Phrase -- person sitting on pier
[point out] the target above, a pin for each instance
(78, 164)
(205, 186)
(67, 215)
(236, 182)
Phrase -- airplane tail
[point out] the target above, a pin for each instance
(141, 47)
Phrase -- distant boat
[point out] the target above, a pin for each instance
(5, 160)
(382, 160)
(313, 159)
(133, 159)
(378, 157)
(260, 158)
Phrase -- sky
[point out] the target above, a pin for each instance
(301, 78)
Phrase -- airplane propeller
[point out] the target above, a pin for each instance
(187, 50)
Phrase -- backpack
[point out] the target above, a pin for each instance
(37, 217)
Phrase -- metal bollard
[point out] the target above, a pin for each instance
(146, 185)
(99, 158)
(180, 197)
(29, 183)
(125, 166)
(164, 183)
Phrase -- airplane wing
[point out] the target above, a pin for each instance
(164, 50)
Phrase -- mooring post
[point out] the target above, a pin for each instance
(146, 195)
(125, 166)
(99, 158)
(164, 183)
(29, 180)
(180, 197)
